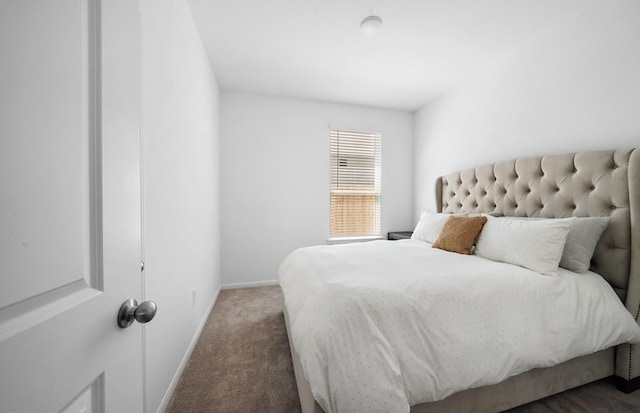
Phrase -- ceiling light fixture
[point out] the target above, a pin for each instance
(371, 25)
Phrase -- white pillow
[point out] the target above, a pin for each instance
(584, 234)
(429, 226)
(533, 244)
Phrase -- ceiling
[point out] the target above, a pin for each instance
(313, 49)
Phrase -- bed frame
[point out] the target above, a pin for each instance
(596, 183)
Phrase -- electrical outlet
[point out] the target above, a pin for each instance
(194, 297)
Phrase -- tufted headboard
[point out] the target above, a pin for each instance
(583, 184)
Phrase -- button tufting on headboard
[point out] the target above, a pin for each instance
(578, 184)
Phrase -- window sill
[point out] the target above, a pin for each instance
(347, 240)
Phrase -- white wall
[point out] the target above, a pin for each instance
(576, 88)
(275, 177)
(180, 103)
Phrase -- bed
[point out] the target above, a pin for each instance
(582, 184)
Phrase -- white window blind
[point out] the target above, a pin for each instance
(355, 184)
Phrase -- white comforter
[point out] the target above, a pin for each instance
(383, 325)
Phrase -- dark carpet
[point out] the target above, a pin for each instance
(242, 363)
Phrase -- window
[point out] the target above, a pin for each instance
(355, 184)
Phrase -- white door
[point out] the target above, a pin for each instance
(70, 237)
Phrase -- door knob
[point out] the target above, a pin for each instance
(130, 310)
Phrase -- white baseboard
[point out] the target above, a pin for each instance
(250, 284)
(187, 355)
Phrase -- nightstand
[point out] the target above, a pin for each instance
(396, 235)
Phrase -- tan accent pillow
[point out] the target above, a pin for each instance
(459, 234)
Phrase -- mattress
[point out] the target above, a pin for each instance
(383, 325)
